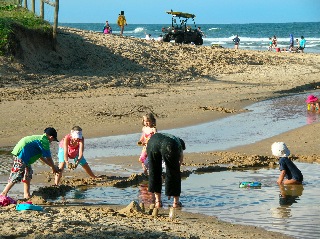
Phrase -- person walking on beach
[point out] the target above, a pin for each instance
(148, 129)
(121, 22)
(291, 43)
(274, 42)
(302, 44)
(236, 41)
(169, 148)
(72, 147)
(287, 167)
(27, 151)
(270, 44)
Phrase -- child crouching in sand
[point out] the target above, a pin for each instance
(72, 147)
(287, 167)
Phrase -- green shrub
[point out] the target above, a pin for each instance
(11, 15)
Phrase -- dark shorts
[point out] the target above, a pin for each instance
(20, 172)
(299, 179)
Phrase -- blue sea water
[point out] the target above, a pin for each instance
(253, 36)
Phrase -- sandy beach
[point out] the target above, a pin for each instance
(105, 83)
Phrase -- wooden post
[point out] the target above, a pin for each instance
(33, 6)
(25, 4)
(41, 9)
(55, 25)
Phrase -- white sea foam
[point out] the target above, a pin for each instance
(139, 29)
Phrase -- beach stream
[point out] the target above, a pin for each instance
(295, 213)
(293, 210)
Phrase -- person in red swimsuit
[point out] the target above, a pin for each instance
(72, 147)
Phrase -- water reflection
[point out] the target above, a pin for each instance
(289, 194)
(312, 116)
(144, 195)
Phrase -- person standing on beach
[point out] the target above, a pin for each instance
(72, 146)
(274, 42)
(27, 151)
(169, 148)
(270, 44)
(291, 42)
(107, 28)
(287, 167)
(236, 41)
(302, 44)
(121, 22)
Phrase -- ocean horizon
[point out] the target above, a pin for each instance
(253, 36)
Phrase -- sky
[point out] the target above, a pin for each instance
(206, 11)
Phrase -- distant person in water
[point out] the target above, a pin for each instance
(121, 22)
(236, 41)
(287, 167)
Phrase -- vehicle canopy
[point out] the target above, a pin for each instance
(181, 14)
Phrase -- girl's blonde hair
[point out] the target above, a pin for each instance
(150, 117)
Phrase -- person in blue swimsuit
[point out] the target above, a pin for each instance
(288, 169)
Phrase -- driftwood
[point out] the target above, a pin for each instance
(137, 110)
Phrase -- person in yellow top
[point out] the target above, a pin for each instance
(121, 22)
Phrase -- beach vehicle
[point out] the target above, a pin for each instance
(179, 32)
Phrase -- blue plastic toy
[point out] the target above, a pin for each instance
(250, 185)
(27, 206)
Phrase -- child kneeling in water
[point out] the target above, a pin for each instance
(287, 167)
(72, 147)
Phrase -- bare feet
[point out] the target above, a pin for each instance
(177, 205)
(158, 204)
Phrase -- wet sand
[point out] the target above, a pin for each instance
(105, 84)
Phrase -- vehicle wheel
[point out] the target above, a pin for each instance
(198, 41)
(178, 39)
(166, 38)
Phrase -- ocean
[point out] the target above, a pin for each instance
(253, 36)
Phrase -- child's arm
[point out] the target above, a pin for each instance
(65, 150)
(50, 163)
(281, 176)
(154, 130)
(141, 140)
(81, 149)
(181, 158)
